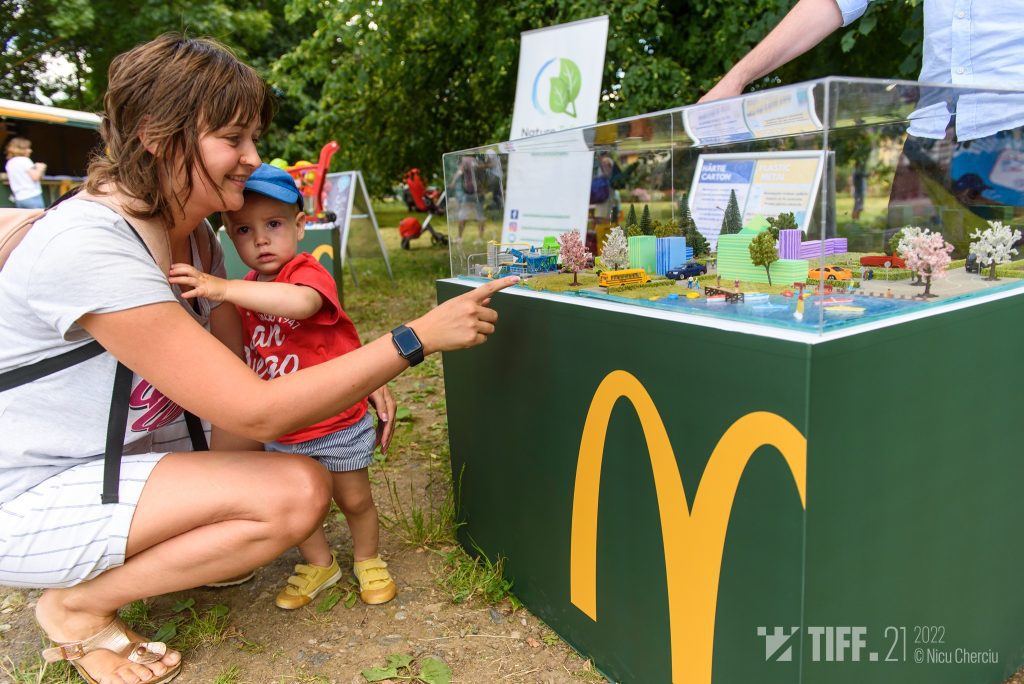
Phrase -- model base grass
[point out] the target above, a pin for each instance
(734, 262)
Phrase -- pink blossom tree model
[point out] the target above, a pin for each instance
(928, 255)
(573, 254)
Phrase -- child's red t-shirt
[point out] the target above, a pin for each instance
(276, 346)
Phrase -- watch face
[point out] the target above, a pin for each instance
(406, 341)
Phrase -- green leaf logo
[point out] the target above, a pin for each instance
(565, 88)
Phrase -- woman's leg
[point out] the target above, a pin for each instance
(201, 517)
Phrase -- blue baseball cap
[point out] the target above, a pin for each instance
(274, 183)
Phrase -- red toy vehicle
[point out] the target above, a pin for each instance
(410, 228)
(878, 261)
(418, 197)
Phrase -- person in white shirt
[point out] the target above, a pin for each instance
(24, 175)
(966, 43)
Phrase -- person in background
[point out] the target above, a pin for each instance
(974, 44)
(24, 175)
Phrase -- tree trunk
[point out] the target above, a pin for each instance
(927, 287)
(766, 270)
(992, 272)
(575, 278)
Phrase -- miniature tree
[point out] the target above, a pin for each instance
(615, 253)
(695, 239)
(631, 219)
(763, 252)
(901, 246)
(667, 229)
(573, 254)
(928, 255)
(784, 221)
(646, 227)
(732, 222)
(994, 246)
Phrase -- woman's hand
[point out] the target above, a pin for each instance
(460, 323)
(203, 284)
(384, 404)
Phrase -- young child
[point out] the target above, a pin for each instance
(292, 319)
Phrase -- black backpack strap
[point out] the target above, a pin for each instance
(40, 369)
(116, 424)
(196, 432)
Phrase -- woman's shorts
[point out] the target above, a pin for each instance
(58, 534)
(347, 449)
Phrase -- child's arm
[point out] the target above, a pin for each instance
(297, 302)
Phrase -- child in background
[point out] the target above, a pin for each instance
(24, 175)
(292, 320)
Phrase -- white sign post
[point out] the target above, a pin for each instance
(559, 87)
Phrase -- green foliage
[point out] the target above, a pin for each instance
(632, 230)
(402, 667)
(668, 229)
(397, 84)
(763, 252)
(784, 221)
(465, 577)
(732, 221)
(646, 226)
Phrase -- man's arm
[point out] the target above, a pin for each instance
(297, 302)
(806, 25)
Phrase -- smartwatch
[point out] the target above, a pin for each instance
(408, 345)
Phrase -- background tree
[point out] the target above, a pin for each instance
(646, 226)
(397, 84)
(668, 229)
(615, 253)
(763, 252)
(631, 219)
(929, 254)
(732, 221)
(994, 246)
(784, 221)
(573, 254)
(901, 243)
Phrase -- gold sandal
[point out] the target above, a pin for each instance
(113, 638)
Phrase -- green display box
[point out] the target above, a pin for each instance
(692, 504)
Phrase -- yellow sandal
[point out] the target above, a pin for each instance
(113, 638)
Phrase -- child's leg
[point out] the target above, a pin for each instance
(354, 498)
(315, 550)
(353, 495)
(320, 570)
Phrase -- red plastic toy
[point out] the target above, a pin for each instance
(418, 197)
(310, 180)
(410, 228)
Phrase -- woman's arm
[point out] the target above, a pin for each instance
(163, 344)
(806, 25)
(297, 302)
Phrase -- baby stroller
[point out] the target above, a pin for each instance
(410, 228)
(418, 197)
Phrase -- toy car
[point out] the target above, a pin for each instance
(830, 273)
(972, 265)
(879, 260)
(688, 270)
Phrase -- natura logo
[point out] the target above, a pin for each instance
(563, 89)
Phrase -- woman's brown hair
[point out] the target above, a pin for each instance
(174, 89)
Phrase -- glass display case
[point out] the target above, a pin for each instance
(817, 207)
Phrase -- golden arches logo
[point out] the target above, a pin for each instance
(692, 577)
(321, 250)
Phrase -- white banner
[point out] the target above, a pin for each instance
(559, 87)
